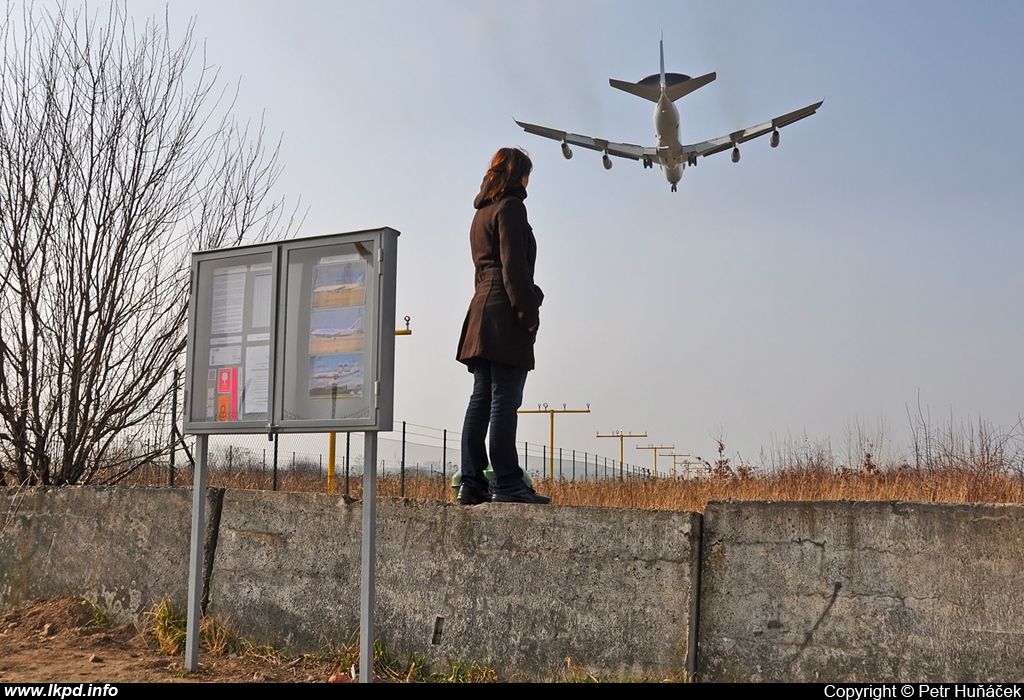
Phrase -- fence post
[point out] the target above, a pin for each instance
(560, 475)
(444, 457)
(574, 465)
(402, 480)
(274, 486)
(174, 428)
(348, 454)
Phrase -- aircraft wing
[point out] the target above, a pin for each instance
(623, 150)
(722, 143)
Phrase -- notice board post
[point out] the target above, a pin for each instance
(292, 337)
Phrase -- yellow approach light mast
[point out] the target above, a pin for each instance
(551, 413)
(655, 448)
(622, 438)
(675, 462)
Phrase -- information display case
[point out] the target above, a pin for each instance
(296, 336)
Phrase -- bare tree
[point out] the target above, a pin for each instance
(118, 156)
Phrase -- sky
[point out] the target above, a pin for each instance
(865, 270)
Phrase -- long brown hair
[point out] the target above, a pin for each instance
(508, 168)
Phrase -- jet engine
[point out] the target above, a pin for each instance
(774, 139)
(735, 154)
(606, 161)
(566, 151)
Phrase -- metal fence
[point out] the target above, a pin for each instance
(412, 450)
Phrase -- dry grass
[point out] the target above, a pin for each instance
(939, 485)
(942, 486)
(167, 624)
(945, 464)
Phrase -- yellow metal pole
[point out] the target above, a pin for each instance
(622, 440)
(656, 448)
(331, 453)
(551, 429)
(551, 454)
(675, 462)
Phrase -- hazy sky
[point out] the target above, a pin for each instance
(867, 264)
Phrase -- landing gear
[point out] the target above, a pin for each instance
(673, 187)
(647, 163)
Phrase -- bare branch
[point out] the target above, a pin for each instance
(118, 157)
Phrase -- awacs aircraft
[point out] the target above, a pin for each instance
(664, 89)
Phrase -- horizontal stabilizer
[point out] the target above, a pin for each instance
(676, 91)
(648, 92)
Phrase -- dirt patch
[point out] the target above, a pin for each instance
(68, 641)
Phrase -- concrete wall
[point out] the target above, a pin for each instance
(822, 591)
(122, 548)
(520, 588)
(866, 591)
(286, 568)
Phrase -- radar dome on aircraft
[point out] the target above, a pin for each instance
(670, 79)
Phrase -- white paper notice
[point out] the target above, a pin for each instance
(228, 355)
(228, 300)
(261, 301)
(257, 378)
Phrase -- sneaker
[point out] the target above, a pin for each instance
(524, 494)
(471, 495)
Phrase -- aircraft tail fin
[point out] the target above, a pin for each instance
(661, 50)
(673, 85)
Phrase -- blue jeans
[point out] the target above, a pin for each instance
(497, 396)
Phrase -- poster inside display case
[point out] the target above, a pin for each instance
(230, 338)
(296, 336)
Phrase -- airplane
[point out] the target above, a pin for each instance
(342, 372)
(664, 89)
(356, 327)
(334, 288)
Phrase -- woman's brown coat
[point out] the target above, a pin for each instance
(501, 324)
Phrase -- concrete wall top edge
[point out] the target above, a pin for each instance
(730, 503)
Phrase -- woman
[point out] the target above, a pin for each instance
(499, 332)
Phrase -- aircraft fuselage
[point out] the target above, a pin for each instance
(666, 131)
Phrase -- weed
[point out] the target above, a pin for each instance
(100, 615)
(577, 674)
(168, 623)
(465, 672)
